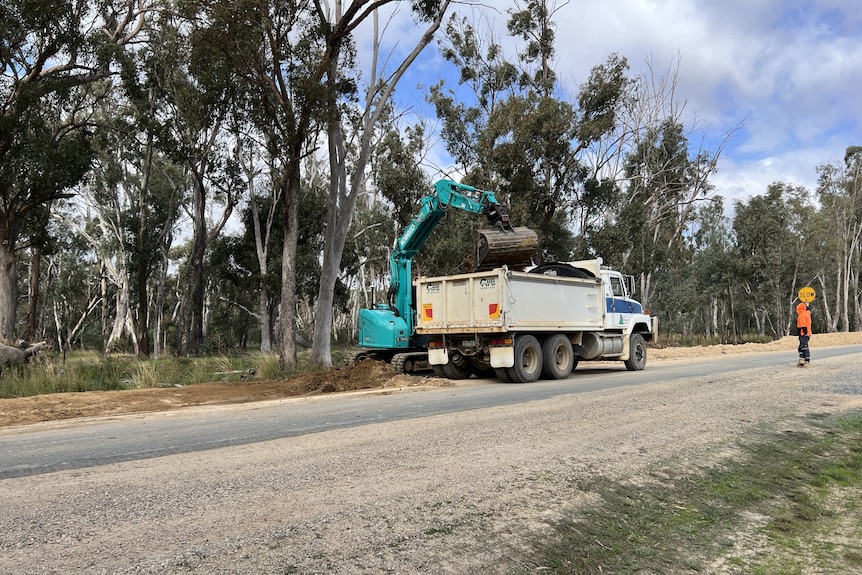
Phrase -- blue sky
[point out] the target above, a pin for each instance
(790, 71)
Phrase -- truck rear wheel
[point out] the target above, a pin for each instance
(637, 353)
(455, 371)
(557, 357)
(503, 374)
(528, 360)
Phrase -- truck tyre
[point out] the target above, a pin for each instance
(455, 371)
(557, 357)
(438, 370)
(637, 353)
(528, 360)
(503, 374)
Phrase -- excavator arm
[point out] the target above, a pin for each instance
(390, 325)
(501, 244)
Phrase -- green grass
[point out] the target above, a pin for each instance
(89, 371)
(802, 487)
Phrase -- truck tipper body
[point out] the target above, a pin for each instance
(527, 325)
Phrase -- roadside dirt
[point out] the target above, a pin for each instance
(367, 375)
(461, 492)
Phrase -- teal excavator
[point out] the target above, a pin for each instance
(386, 331)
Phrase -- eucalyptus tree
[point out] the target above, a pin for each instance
(348, 170)
(287, 56)
(648, 175)
(714, 265)
(699, 297)
(204, 108)
(663, 187)
(263, 203)
(839, 190)
(72, 288)
(518, 136)
(55, 57)
(772, 239)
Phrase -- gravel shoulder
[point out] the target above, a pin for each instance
(455, 493)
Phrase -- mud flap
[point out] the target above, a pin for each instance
(627, 348)
(502, 356)
(438, 356)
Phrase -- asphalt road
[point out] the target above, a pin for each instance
(130, 439)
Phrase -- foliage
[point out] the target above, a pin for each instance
(118, 169)
(88, 371)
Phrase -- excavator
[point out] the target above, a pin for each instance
(386, 331)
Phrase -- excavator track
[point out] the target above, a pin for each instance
(410, 363)
(407, 362)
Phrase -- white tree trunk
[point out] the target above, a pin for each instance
(342, 200)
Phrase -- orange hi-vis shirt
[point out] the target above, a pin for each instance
(803, 318)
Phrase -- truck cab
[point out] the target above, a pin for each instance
(622, 312)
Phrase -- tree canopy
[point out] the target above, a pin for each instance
(204, 175)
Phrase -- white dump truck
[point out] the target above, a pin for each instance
(525, 325)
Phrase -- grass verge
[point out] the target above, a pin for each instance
(787, 504)
(89, 371)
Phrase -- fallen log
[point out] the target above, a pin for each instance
(11, 355)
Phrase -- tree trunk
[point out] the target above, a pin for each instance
(261, 243)
(143, 312)
(287, 315)
(33, 299)
(122, 317)
(190, 337)
(265, 320)
(8, 278)
(160, 297)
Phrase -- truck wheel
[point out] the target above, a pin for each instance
(503, 374)
(528, 360)
(438, 370)
(637, 353)
(455, 371)
(557, 357)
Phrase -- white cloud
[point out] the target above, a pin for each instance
(790, 69)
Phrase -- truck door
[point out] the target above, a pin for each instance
(618, 306)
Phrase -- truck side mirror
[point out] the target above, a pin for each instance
(630, 285)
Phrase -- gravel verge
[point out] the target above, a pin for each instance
(456, 493)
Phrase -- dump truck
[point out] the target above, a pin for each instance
(522, 326)
(387, 329)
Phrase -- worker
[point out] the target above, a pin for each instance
(803, 329)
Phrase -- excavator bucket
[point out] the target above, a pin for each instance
(498, 247)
